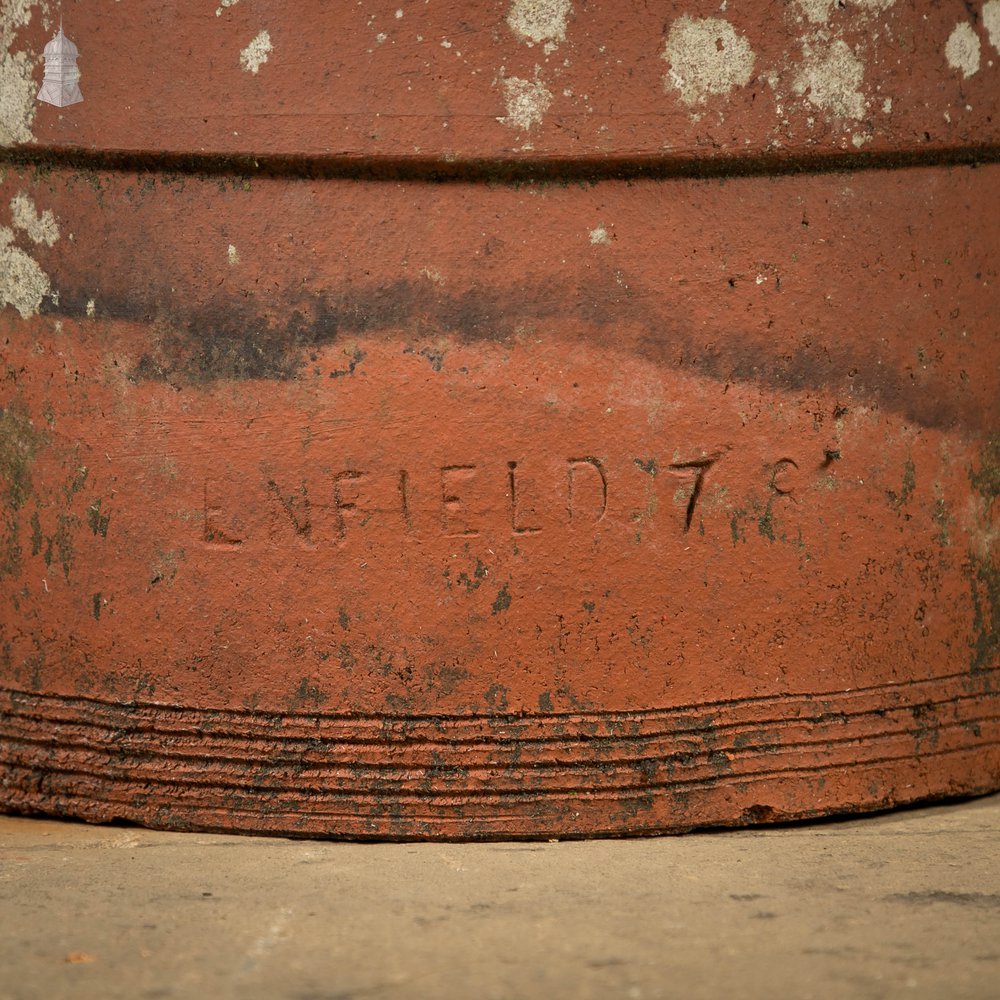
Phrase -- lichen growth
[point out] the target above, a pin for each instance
(909, 485)
(962, 50)
(19, 443)
(984, 572)
(984, 579)
(830, 78)
(255, 54)
(539, 20)
(17, 96)
(986, 479)
(41, 227)
(23, 284)
(706, 57)
(526, 102)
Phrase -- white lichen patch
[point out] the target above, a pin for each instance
(23, 283)
(874, 6)
(41, 227)
(991, 22)
(539, 20)
(599, 236)
(831, 79)
(91, 308)
(526, 102)
(255, 54)
(818, 11)
(17, 13)
(223, 4)
(962, 49)
(17, 96)
(706, 57)
(232, 255)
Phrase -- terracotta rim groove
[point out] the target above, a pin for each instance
(588, 168)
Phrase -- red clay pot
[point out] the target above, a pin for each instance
(505, 420)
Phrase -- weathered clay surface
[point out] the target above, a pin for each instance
(392, 508)
(521, 78)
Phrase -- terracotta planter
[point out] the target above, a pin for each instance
(525, 420)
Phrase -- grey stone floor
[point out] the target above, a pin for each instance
(904, 904)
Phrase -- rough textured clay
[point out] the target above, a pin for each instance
(569, 422)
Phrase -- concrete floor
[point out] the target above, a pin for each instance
(899, 905)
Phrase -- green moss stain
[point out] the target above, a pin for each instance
(354, 358)
(909, 485)
(986, 479)
(348, 661)
(474, 582)
(19, 444)
(765, 523)
(943, 520)
(75, 483)
(985, 585)
(496, 698)
(10, 545)
(502, 602)
(98, 522)
(36, 533)
(59, 547)
(307, 693)
(735, 528)
(984, 573)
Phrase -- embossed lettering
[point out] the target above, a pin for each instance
(575, 491)
(698, 467)
(403, 485)
(452, 505)
(217, 532)
(782, 477)
(512, 486)
(297, 509)
(342, 506)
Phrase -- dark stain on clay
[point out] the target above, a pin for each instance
(231, 337)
